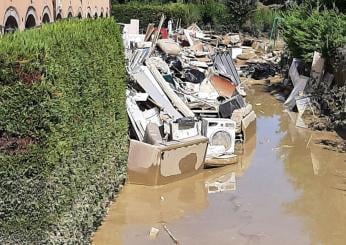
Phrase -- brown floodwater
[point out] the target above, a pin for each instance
(288, 190)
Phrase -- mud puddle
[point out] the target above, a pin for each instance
(288, 191)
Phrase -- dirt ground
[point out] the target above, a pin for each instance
(289, 189)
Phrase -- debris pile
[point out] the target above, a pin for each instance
(185, 85)
(319, 98)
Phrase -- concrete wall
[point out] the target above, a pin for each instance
(29, 13)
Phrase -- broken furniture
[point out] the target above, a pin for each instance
(167, 162)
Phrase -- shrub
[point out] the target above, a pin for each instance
(330, 4)
(262, 19)
(307, 31)
(214, 14)
(151, 13)
(239, 11)
(63, 130)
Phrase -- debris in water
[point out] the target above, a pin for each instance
(188, 87)
(283, 146)
(309, 141)
(221, 184)
(153, 233)
(170, 234)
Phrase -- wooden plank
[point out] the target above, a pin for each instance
(176, 100)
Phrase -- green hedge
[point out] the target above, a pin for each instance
(63, 130)
(214, 14)
(306, 31)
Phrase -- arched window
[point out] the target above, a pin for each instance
(58, 16)
(30, 20)
(45, 19)
(96, 12)
(70, 12)
(11, 20)
(80, 15)
(89, 12)
(11, 24)
(46, 15)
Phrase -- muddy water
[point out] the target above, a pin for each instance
(288, 191)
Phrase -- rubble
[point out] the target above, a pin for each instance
(154, 232)
(318, 97)
(175, 241)
(184, 86)
(223, 183)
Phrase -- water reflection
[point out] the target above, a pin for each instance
(288, 191)
(142, 205)
(320, 175)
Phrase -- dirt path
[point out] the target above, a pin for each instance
(288, 191)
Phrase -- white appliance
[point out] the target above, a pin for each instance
(221, 135)
(184, 128)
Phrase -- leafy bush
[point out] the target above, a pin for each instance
(239, 11)
(151, 13)
(214, 14)
(270, 2)
(307, 31)
(330, 4)
(262, 19)
(63, 130)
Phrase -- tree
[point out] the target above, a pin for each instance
(240, 10)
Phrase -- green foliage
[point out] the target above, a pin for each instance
(214, 14)
(151, 13)
(63, 130)
(262, 19)
(307, 31)
(329, 4)
(270, 2)
(239, 11)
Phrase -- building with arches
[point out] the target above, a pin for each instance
(26, 14)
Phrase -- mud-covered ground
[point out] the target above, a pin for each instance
(289, 190)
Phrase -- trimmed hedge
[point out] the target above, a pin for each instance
(63, 130)
(214, 14)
